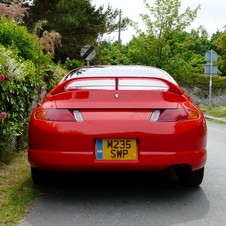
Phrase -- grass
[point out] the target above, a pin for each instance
(17, 191)
(218, 112)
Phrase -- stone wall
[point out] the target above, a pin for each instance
(201, 97)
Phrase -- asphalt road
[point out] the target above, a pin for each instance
(137, 199)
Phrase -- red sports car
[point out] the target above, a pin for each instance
(118, 118)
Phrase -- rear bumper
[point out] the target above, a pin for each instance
(147, 161)
(71, 146)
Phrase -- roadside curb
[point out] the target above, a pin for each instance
(215, 118)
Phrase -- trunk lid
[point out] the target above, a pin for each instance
(116, 99)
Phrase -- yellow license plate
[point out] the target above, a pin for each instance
(116, 149)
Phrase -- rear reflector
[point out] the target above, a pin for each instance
(78, 116)
(155, 115)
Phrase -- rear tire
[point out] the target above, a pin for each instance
(193, 178)
(38, 176)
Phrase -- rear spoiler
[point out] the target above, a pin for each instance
(61, 87)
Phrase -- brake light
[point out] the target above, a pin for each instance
(55, 115)
(178, 115)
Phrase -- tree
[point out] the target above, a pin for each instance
(167, 23)
(219, 40)
(200, 41)
(165, 43)
(78, 22)
(110, 54)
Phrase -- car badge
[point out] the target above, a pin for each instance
(116, 95)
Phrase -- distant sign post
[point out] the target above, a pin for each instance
(210, 57)
(88, 52)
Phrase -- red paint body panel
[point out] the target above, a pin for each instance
(80, 161)
(106, 99)
(169, 143)
(71, 145)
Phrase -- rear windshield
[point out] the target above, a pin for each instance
(119, 84)
(119, 71)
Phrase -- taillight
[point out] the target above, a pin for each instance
(55, 115)
(177, 115)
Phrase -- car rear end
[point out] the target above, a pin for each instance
(119, 127)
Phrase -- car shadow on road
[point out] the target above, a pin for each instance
(126, 195)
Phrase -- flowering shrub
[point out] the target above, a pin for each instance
(19, 86)
(14, 10)
(24, 72)
(3, 115)
(17, 83)
(13, 66)
(2, 77)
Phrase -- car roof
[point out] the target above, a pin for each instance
(119, 70)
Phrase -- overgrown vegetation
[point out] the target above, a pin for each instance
(25, 70)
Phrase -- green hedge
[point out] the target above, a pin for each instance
(202, 82)
(17, 90)
(24, 72)
(17, 38)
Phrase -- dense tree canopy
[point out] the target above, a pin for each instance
(165, 38)
(78, 22)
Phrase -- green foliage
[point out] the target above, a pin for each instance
(199, 41)
(164, 24)
(220, 43)
(167, 18)
(200, 83)
(166, 44)
(17, 37)
(219, 85)
(78, 22)
(109, 54)
(16, 94)
(177, 58)
(24, 71)
(71, 64)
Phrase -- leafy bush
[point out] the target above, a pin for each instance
(201, 83)
(71, 64)
(17, 37)
(24, 72)
(17, 89)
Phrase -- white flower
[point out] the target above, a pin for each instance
(14, 68)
